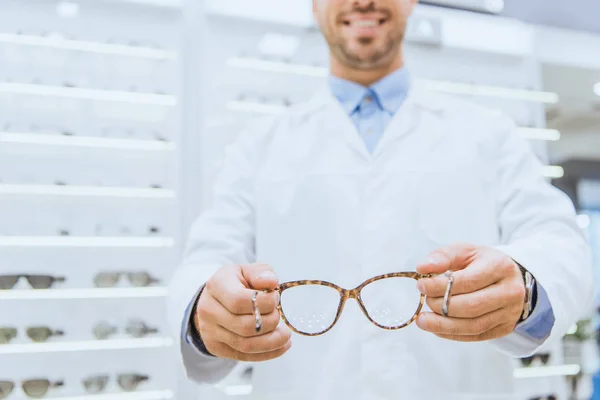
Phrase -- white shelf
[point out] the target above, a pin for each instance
(551, 135)
(257, 108)
(87, 46)
(553, 171)
(148, 395)
(88, 94)
(73, 241)
(85, 142)
(91, 345)
(87, 191)
(547, 371)
(81, 294)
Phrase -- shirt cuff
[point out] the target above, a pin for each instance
(189, 334)
(540, 323)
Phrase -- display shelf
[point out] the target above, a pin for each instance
(547, 371)
(87, 191)
(146, 395)
(89, 345)
(82, 294)
(89, 94)
(87, 46)
(553, 171)
(550, 135)
(254, 107)
(92, 241)
(85, 142)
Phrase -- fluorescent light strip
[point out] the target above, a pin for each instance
(253, 107)
(553, 171)
(551, 135)
(91, 345)
(277, 66)
(89, 94)
(87, 142)
(84, 294)
(70, 241)
(147, 395)
(87, 191)
(547, 371)
(441, 86)
(87, 46)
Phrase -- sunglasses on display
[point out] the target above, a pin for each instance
(544, 358)
(37, 334)
(127, 382)
(137, 279)
(551, 397)
(136, 328)
(33, 388)
(390, 301)
(8, 282)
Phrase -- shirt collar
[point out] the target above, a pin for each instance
(390, 91)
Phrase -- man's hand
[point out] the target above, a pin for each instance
(486, 300)
(225, 320)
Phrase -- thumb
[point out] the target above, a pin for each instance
(260, 277)
(453, 258)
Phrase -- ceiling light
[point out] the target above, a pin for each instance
(551, 135)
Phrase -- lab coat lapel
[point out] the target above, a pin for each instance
(336, 121)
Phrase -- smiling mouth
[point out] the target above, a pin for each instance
(365, 23)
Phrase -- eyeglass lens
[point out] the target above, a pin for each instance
(42, 333)
(110, 279)
(104, 330)
(95, 384)
(37, 388)
(139, 329)
(6, 388)
(8, 282)
(7, 335)
(130, 382)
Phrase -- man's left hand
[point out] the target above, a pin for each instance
(487, 296)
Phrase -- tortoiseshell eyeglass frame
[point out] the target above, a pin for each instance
(346, 294)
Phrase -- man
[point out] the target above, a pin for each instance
(378, 175)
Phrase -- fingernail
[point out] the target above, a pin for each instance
(435, 259)
(422, 322)
(267, 275)
(421, 287)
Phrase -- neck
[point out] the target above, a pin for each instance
(364, 77)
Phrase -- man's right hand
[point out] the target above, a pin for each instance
(225, 319)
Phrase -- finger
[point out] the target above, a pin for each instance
(472, 305)
(496, 333)
(258, 344)
(454, 258)
(210, 311)
(482, 273)
(438, 324)
(260, 277)
(222, 350)
(228, 288)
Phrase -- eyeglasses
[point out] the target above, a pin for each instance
(8, 282)
(127, 382)
(111, 279)
(136, 328)
(34, 388)
(551, 397)
(527, 361)
(37, 334)
(391, 301)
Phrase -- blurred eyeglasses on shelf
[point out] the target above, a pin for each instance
(136, 279)
(391, 301)
(37, 334)
(543, 358)
(33, 388)
(127, 382)
(135, 328)
(550, 397)
(8, 282)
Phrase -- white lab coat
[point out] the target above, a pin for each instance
(302, 193)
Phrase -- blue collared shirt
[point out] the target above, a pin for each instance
(371, 109)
